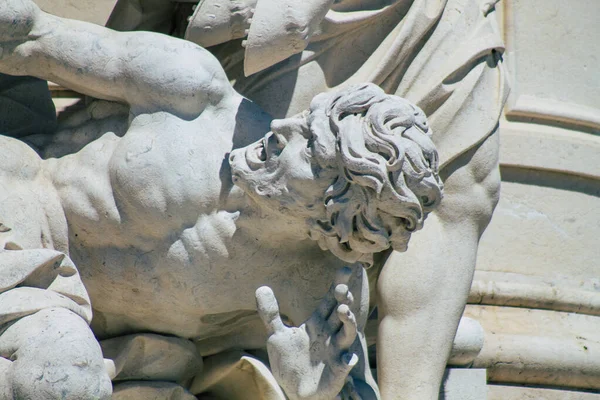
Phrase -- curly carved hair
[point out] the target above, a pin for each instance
(388, 171)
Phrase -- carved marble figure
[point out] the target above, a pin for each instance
(446, 56)
(174, 218)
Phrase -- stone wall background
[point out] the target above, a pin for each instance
(538, 267)
(96, 11)
(537, 286)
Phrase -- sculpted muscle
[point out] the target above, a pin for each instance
(175, 221)
(30, 211)
(149, 71)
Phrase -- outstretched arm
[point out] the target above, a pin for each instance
(149, 71)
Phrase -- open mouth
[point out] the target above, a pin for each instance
(257, 154)
(261, 151)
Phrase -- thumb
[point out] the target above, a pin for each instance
(345, 364)
(268, 310)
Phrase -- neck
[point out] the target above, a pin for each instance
(270, 228)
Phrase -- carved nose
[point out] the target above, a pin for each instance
(231, 157)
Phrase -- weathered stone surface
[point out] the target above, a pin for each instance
(537, 276)
(464, 384)
(177, 204)
(500, 392)
(95, 11)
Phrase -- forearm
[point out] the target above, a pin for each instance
(422, 296)
(423, 292)
(149, 71)
(63, 51)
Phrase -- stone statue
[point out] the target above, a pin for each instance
(184, 213)
(444, 56)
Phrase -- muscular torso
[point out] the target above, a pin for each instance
(160, 236)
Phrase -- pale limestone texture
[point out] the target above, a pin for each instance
(500, 392)
(535, 292)
(447, 76)
(464, 384)
(95, 11)
(540, 251)
(358, 147)
(456, 76)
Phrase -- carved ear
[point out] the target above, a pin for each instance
(26, 106)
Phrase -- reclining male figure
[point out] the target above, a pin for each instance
(175, 225)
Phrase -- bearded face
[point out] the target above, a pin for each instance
(279, 172)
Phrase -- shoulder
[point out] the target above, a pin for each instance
(19, 161)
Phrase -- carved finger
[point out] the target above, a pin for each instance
(268, 310)
(340, 377)
(334, 323)
(329, 302)
(343, 295)
(347, 362)
(347, 334)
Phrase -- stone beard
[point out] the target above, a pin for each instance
(360, 167)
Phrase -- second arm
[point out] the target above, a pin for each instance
(149, 71)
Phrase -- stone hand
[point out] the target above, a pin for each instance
(17, 18)
(312, 361)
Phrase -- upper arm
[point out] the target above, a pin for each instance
(149, 71)
(162, 73)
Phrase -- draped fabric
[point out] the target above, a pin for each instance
(34, 280)
(149, 366)
(443, 55)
